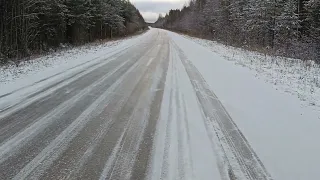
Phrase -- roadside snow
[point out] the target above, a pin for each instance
(281, 128)
(60, 63)
(17, 83)
(11, 72)
(293, 76)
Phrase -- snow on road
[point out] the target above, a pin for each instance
(182, 147)
(73, 132)
(156, 106)
(281, 131)
(16, 83)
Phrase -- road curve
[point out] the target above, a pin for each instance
(143, 113)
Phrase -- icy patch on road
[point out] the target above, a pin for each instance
(293, 76)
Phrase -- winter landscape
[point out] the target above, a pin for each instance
(164, 89)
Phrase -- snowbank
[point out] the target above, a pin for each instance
(281, 128)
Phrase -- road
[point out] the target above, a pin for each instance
(143, 113)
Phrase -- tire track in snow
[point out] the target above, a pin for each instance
(84, 146)
(165, 162)
(176, 153)
(170, 167)
(145, 149)
(110, 143)
(236, 145)
(9, 122)
(112, 115)
(56, 147)
(51, 152)
(73, 162)
(180, 134)
(103, 84)
(30, 132)
(43, 103)
(181, 163)
(186, 170)
(129, 152)
(110, 55)
(187, 147)
(47, 90)
(185, 151)
(77, 138)
(119, 165)
(184, 157)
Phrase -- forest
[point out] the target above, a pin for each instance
(30, 27)
(289, 28)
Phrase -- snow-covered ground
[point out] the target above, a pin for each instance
(293, 76)
(280, 127)
(182, 147)
(274, 102)
(18, 82)
(57, 62)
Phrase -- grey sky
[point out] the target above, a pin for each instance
(150, 9)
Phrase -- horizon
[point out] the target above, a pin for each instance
(150, 10)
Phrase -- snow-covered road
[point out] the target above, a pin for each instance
(148, 108)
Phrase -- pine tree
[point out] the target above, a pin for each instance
(314, 28)
(33, 26)
(284, 27)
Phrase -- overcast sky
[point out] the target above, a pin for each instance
(150, 9)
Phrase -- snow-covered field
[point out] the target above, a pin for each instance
(275, 106)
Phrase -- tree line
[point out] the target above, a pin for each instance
(35, 26)
(282, 27)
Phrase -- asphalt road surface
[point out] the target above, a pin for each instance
(143, 113)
